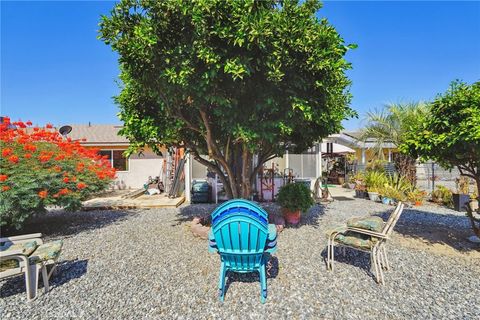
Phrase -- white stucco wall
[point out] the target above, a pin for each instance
(139, 171)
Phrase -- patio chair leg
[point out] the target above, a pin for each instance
(263, 284)
(374, 263)
(387, 264)
(31, 277)
(221, 282)
(45, 278)
(328, 253)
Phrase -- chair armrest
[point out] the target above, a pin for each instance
(272, 231)
(12, 253)
(24, 238)
(367, 232)
(212, 244)
(272, 239)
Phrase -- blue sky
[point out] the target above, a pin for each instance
(53, 69)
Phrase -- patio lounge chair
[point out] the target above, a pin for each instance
(242, 237)
(368, 234)
(27, 254)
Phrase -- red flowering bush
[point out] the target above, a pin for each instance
(39, 167)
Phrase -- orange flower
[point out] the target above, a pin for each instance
(13, 159)
(80, 167)
(60, 157)
(3, 177)
(66, 180)
(63, 191)
(49, 126)
(5, 188)
(57, 169)
(28, 123)
(6, 152)
(44, 158)
(81, 185)
(27, 155)
(43, 194)
(30, 147)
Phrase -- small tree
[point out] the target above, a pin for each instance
(228, 79)
(390, 125)
(450, 133)
(38, 167)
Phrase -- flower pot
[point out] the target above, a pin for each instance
(474, 204)
(292, 217)
(418, 203)
(374, 196)
(460, 201)
(386, 200)
(360, 194)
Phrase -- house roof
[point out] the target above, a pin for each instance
(98, 134)
(353, 139)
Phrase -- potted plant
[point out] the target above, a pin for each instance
(462, 197)
(416, 197)
(294, 199)
(374, 180)
(360, 187)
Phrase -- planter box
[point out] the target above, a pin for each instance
(460, 201)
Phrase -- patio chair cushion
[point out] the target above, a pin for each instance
(27, 249)
(356, 240)
(371, 223)
(46, 251)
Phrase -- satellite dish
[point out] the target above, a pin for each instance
(65, 130)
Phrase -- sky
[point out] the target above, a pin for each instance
(54, 69)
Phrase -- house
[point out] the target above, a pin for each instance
(133, 171)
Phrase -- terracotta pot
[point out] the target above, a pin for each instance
(292, 217)
(418, 203)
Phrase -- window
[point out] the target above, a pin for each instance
(117, 159)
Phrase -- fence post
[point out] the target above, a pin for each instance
(433, 176)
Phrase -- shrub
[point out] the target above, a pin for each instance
(38, 168)
(375, 180)
(295, 196)
(443, 195)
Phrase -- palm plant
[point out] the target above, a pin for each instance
(389, 125)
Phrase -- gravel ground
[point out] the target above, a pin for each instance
(147, 264)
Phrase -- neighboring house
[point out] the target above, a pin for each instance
(364, 150)
(132, 172)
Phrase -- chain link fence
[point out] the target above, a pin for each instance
(430, 175)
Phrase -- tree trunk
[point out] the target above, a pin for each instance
(406, 167)
(471, 214)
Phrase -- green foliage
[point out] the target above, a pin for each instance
(295, 196)
(375, 180)
(228, 79)
(443, 195)
(41, 169)
(450, 133)
(390, 124)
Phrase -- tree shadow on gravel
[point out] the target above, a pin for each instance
(433, 229)
(63, 224)
(204, 210)
(253, 277)
(65, 272)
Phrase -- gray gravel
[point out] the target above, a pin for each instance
(147, 264)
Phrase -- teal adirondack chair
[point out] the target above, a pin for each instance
(243, 238)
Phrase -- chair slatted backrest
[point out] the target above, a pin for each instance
(392, 220)
(240, 229)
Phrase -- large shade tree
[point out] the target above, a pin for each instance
(238, 81)
(450, 134)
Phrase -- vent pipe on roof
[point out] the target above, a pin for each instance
(89, 124)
